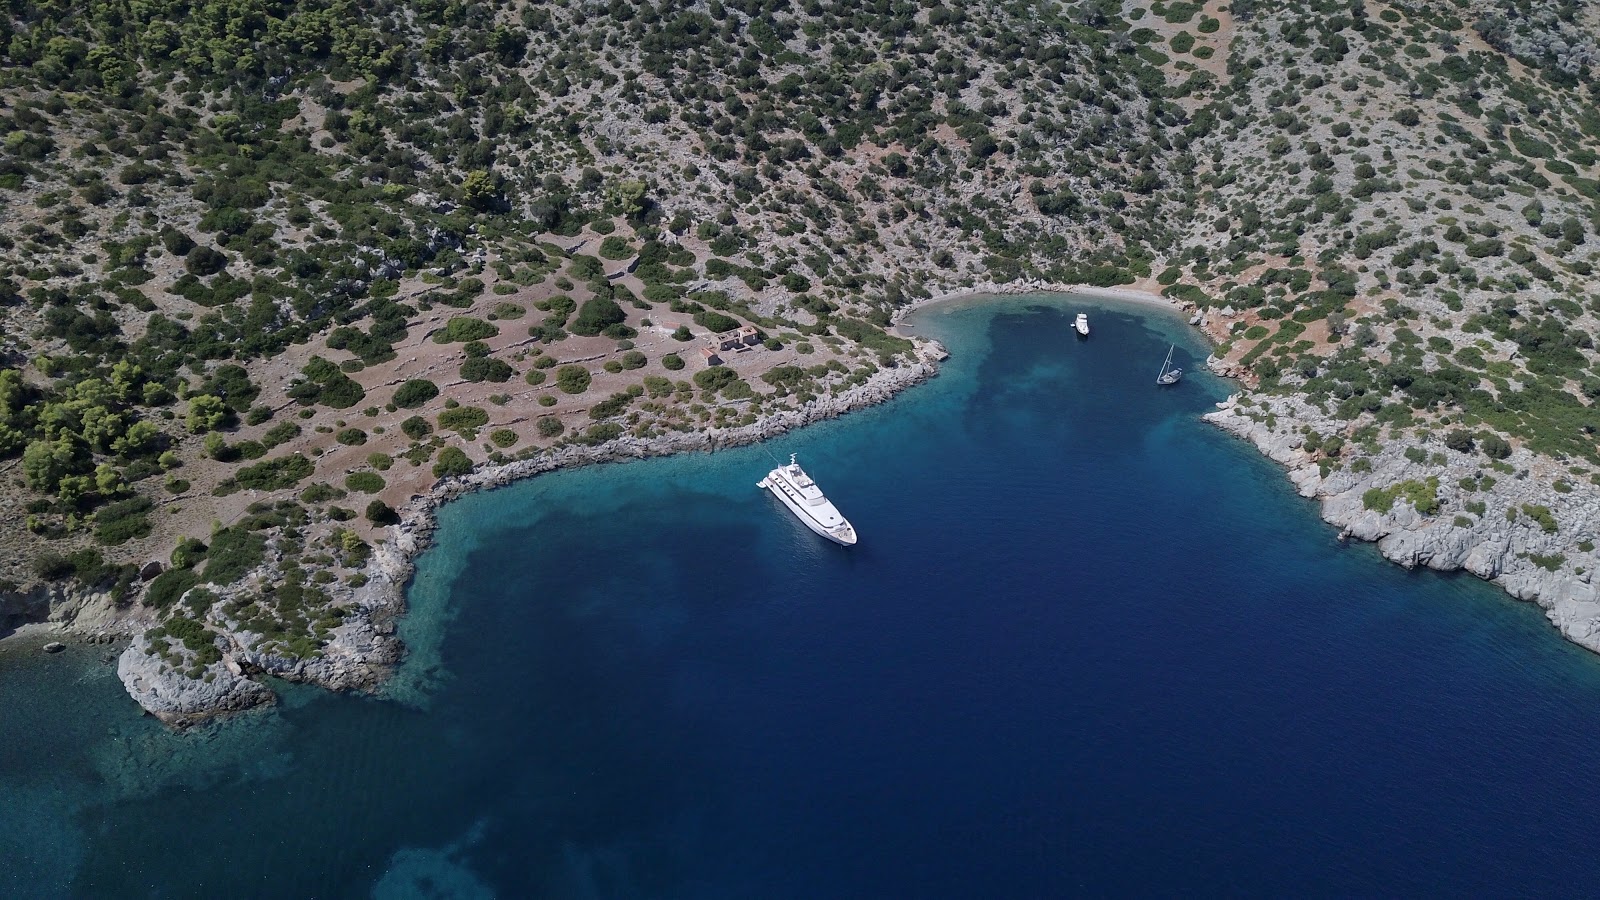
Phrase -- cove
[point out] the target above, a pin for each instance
(1087, 644)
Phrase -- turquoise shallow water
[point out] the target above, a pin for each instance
(1087, 644)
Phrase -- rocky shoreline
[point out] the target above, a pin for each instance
(1529, 531)
(364, 650)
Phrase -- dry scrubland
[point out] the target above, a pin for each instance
(270, 270)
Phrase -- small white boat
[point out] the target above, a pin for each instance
(1169, 372)
(795, 488)
(1082, 324)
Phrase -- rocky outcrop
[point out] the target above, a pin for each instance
(1533, 534)
(175, 698)
(363, 650)
(19, 608)
(88, 612)
(358, 655)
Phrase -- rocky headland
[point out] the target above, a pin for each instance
(1517, 522)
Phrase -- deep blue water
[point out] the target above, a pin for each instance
(1087, 645)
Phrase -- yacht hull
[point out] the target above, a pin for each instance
(821, 518)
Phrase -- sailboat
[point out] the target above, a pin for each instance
(1170, 374)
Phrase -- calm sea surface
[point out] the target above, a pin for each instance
(1087, 645)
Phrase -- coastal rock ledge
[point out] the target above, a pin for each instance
(1518, 522)
(184, 686)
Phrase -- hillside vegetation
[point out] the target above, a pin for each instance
(268, 269)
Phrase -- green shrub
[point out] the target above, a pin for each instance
(615, 248)
(672, 362)
(166, 588)
(611, 406)
(463, 418)
(381, 513)
(573, 379)
(714, 321)
(416, 428)
(596, 315)
(550, 427)
(600, 433)
(351, 437)
(415, 392)
(364, 482)
(503, 437)
(535, 377)
(586, 268)
(1423, 495)
(452, 461)
(1549, 562)
(482, 368)
(234, 551)
(715, 378)
(461, 329)
(321, 492)
(1542, 515)
(275, 474)
(280, 433)
(122, 521)
(325, 383)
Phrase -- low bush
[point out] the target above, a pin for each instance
(170, 585)
(461, 329)
(452, 461)
(596, 315)
(275, 474)
(321, 492)
(364, 482)
(573, 379)
(482, 368)
(463, 418)
(381, 513)
(234, 551)
(123, 520)
(415, 392)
